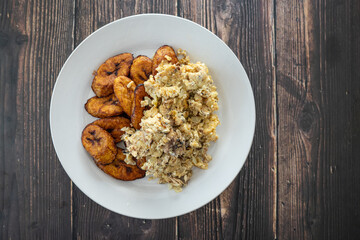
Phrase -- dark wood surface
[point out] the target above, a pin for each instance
(302, 177)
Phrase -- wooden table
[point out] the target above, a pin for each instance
(302, 177)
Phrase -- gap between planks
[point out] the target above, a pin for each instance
(71, 182)
(275, 123)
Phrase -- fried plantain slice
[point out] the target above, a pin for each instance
(160, 56)
(120, 155)
(140, 162)
(141, 69)
(138, 110)
(122, 171)
(113, 125)
(124, 91)
(103, 107)
(99, 144)
(103, 81)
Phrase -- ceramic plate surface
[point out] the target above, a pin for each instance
(142, 35)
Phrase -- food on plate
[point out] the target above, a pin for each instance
(113, 125)
(99, 144)
(103, 81)
(120, 155)
(138, 110)
(103, 107)
(163, 53)
(176, 131)
(124, 89)
(141, 69)
(122, 171)
(140, 162)
(171, 104)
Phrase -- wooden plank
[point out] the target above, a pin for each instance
(317, 44)
(129, 7)
(90, 16)
(34, 189)
(247, 208)
(290, 75)
(92, 221)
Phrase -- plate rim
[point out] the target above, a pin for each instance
(253, 107)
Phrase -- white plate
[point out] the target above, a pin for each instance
(143, 34)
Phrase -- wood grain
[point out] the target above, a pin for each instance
(301, 179)
(316, 53)
(34, 189)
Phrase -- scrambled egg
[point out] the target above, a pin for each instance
(179, 124)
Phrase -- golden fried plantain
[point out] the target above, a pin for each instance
(124, 91)
(99, 144)
(141, 69)
(103, 107)
(120, 155)
(103, 81)
(138, 110)
(122, 171)
(160, 56)
(113, 125)
(140, 162)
